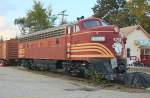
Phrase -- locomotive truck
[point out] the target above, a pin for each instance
(87, 46)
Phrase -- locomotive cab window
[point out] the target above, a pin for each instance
(76, 28)
(69, 30)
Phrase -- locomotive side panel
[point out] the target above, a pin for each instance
(50, 48)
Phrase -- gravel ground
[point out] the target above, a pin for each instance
(16, 83)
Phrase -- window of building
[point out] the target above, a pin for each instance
(147, 51)
(128, 52)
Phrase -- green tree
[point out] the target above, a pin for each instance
(22, 25)
(114, 11)
(103, 7)
(138, 8)
(38, 18)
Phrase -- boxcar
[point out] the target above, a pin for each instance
(8, 51)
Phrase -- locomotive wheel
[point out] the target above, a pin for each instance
(66, 71)
(33, 67)
(81, 73)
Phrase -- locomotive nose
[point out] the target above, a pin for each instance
(110, 38)
(118, 48)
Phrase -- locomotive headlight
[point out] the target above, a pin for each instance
(98, 38)
(116, 29)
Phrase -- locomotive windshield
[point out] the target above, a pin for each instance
(91, 23)
(94, 23)
(105, 23)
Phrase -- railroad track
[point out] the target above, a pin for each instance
(139, 69)
(107, 85)
(84, 81)
(57, 74)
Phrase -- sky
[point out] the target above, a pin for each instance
(12, 9)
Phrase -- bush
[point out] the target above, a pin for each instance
(98, 78)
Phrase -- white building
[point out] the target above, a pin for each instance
(148, 1)
(138, 42)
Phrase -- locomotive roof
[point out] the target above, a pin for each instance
(90, 18)
(44, 31)
(54, 28)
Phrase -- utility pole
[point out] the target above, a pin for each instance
(62, 13)
(1, 39)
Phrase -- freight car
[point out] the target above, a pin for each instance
(8, 52)
(89, 45)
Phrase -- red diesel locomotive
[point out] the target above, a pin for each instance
(79, 49)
